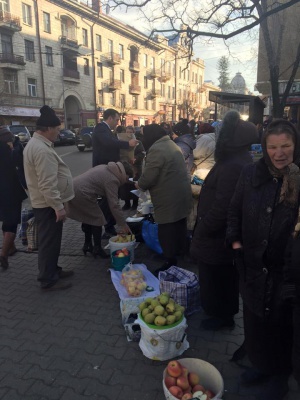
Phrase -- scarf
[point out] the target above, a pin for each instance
(290, 188)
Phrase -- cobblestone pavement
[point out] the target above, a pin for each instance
(71, 345)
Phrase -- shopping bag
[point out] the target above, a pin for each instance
(25, 216)
(183, 286)
(150, 236)
(32, 236)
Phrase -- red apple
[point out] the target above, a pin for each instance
(170, 381)
(210, 393)
(187, 396)
(182, 382)
(174, 368)
(188, 390)
(176, 391)
(196, 388)
(185, 371)
(193, 379)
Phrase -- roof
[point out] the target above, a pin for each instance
(225, 97)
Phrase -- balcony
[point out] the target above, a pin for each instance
(154, 73)
(71, 75)
(165, 76)
(134, 89)
(69, 43)
(12, 61)
(112, 58)
(10, 22)
(17, 100)
(154, 93)
(134, 66)
(114, 84)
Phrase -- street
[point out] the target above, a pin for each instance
(77, 161)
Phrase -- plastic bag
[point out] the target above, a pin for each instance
(32, 235)
(150, 236)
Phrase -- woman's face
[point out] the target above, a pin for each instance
(129, 133)
(280, 149)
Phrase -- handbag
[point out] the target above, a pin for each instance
(183, 286)
(32, 235)
(150, 236)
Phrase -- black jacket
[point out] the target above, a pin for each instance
(106, 147)
(208, 243)
(263, 226)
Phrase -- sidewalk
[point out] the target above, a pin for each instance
(71, 345)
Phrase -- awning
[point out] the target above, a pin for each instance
(20, 111)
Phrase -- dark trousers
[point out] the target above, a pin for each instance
(172, 238)
(49, 242)
(110, 220)
(125, 192)
(219, 289)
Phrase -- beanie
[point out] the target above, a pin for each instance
(48, 117)
(6, 135)
(181, 129)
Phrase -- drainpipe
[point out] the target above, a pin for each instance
(40, 48)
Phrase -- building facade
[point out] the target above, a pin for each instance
(80, 61)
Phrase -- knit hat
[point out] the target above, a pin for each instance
(181, 129)
(5, 135)
(48, 117)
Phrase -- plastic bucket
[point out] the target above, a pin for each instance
(118, 246)
(210, 377)
(119, 262)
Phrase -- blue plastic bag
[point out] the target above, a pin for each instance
(150, 236)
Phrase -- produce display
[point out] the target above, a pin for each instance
(134, 281)
(184, 384)
(161, 310)
(123, 238)
(122, 253)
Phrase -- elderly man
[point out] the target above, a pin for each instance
(49, 182)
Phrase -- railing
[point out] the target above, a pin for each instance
(69, 42)
(19, 100)
(165, 76)
(134, 89)
(7, 17)
(134, 66)
(155, 93)
(114, 84)
(154, 73)
(113, 58)
(71, 73)
(11, 58)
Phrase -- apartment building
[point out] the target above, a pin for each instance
(80, 61)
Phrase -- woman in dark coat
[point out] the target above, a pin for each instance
(217, 275)
(12, 192)
(186, 142)
(261, 217)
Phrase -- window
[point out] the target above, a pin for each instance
(122, 75)
(100, 97)
(4, 6)
(153, 105)
(29, 50)
(49, 56)
(169, 92)
(31, 87)
(112, 99)
(122, 100)
(188, 75)
(163, 90)
(145, 82)
(6, 43)
(84, 37)
(145, 60)
(26, 11)
(98, 42)
(135, 102)
(196, 78)
(169, 67)
(99, 70)
(47, 26)
(152, 62)
(110, 46)
(146, 104)
(173, 92)
(10, 82)
(86, 67)
(180, 94)
(174, 69)
(121, 51)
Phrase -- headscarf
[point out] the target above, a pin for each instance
(5, 135)
(118, 170)
(290, 175)
(152, 133)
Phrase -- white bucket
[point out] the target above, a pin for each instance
(210, 377)
(118, 246)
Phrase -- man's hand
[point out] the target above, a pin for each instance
(133, 142)
(61, 215)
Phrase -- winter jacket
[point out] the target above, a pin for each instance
(263, 226)
(186, 143)
(204, 154)
(208, 243)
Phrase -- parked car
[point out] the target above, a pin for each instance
(84, 138)
(65, 136)
(22, 132)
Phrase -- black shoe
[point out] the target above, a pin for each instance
(87, 248)
(214, 324)
(239, 354)
(56, 286)
(4, 262)
(65, 274)
(253, 376)
(126, 206)
(98, 251)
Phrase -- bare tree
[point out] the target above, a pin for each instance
(222, 19)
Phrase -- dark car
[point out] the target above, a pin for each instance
(65, 136)
(22, 132)
(84, 138)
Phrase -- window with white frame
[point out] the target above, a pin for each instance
(122, 75)
(31, 84)
(29, 50)
(49, 56)
(135, 102)
(110, 45)
(46, 19)
(84, 37)
(10, 82)
(99, 70)
(98, 42)
(6, 43)
(121, 51)
(145, 82)
(100, 97)
(26, 11)
(4, 5)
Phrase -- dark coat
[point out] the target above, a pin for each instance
(106, 147)
(208, 243)
(187, 145)
(263, 226)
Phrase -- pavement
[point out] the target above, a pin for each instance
(71, 345)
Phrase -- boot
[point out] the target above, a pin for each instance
(98, 250)
(88, 244)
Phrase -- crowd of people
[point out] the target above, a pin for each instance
(245, 236)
